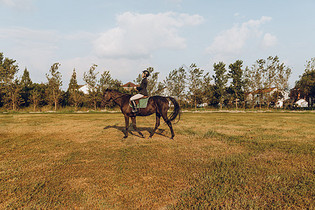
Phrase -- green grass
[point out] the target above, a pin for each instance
(217, 160)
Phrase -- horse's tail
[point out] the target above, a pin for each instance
(176, 111)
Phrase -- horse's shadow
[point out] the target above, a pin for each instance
(131, 130)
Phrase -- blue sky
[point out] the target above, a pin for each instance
(127, 36)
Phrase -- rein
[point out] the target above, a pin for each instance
(115, 98)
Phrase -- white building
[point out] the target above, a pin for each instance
(301, 103)
(84, 89)
(263, 94)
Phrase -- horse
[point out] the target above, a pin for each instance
(156, 104)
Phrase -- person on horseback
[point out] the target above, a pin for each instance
(142, 89)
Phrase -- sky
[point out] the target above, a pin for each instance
(127, 36)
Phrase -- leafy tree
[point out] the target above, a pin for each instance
(27, 85)
(257, 76)
(220, 79)
(106, 81)
(8, 70)
(75, 96)
(90, 78)
(306, 84)
(26, 80)
(116, 84)
(270, 72)
(175, 83)
(35, 98)
(236, 74)
(38, 95)
(54, 84)
(195, 81)
(276, 75)
(208, 90)
(248, 84)
(13, 97)
(282, 77)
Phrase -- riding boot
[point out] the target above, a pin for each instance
(134, 107)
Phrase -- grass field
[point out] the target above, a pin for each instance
(227, 160)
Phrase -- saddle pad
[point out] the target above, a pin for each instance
(143, 102)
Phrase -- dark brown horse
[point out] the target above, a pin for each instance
(156, 104)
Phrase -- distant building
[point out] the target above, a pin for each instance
(129, 86)
(84, 88)
(261, 95)
(301, 103)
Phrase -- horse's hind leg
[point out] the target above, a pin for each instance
(157, 124)
(168, 122)
(127, 126)
(135, 126)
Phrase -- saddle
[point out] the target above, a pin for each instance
(141, 103)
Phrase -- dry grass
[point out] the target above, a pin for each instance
(228, 160)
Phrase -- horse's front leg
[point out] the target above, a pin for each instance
(135, 126)
(127, 126)
(157, 124)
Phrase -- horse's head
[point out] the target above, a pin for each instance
(108, 95)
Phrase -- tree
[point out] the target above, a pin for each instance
(90, 78)
(35, 98)
(106, 81)
(220, 80)
(26, 85)
(276, 75)
(54, 84)
(208, 90)
(75, 96)
(8, 70)
(195, 77)
(236, 74)
(37, 95)
(175, 83)
(249, 85)
(13, 94)
(282, 77)
(257, 76)
(25, 79)
(306, 84)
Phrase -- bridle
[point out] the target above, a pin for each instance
(113, 99)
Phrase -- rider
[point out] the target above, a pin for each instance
(142, 89)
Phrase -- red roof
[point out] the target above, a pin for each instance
(266, 90)
(129, 84)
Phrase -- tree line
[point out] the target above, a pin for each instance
(229, 86)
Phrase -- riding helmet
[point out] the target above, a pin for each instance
(147, 73)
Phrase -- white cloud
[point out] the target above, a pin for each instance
(269, 40)
(34, 49)
(19, 4)
(137, 35)
(233, 40)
